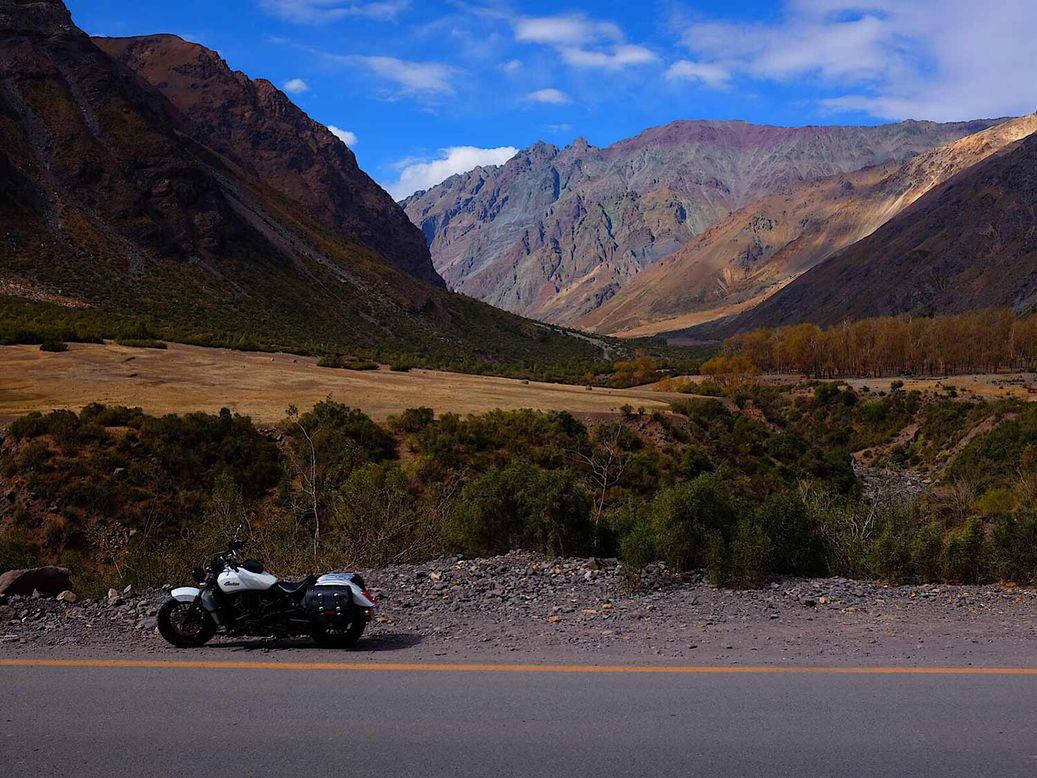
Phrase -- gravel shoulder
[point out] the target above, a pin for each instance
(522, 608)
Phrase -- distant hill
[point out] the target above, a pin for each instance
(757, 250)
(211, 208)
(970, 243)
(555, 233)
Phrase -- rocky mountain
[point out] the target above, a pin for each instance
(969, 243)
(254, 124)
(758, 249)
(554, 233)
(114, 200)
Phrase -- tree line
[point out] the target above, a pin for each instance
(978, 342)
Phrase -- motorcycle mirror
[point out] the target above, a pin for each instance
(237, 545)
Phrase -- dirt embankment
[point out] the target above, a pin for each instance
(522, 607)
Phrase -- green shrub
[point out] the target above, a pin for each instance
(56, 346)
(413, 420)
(999, 501)
(141, 343)
(694, 462)
(797, 547)
(16, 552)
(112, 416)
(752, 555)
(1014, 548)
(686, 515)
(699, 408)
(379, 518)
(962, 559)
(342, 363)
(522, 506)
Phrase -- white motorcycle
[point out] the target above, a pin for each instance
(240, 598)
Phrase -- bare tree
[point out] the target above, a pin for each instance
(307, 475)
(604, 462)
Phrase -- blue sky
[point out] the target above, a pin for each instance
(421, 89)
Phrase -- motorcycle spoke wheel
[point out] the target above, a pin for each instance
(185, 624)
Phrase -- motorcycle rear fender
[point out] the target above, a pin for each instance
(359, 597)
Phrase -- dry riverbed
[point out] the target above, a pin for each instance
(528, 609)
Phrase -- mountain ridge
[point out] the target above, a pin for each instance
(253, 123)
(760, 248)
(969, 243)
(555, 232)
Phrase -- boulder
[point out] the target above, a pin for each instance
(67, 596)
(48, 581)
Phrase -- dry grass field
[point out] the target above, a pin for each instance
(190, 378)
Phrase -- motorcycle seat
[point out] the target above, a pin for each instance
(297, 587)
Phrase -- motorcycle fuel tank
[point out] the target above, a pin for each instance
(242, 580)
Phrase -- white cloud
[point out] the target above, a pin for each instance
(548, 97)
(419, 174)
(565, 30)
(707, 73)
(347, 137)
(317, 11)
(428, 78)
(582, 41)
(933, 59)
(296, 86)
(619, 57)
(512, 66)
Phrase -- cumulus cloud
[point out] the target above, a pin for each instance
(347, 137)
(410, 78)
(548, 96)
(318, 11)
(418, 174)
(708, 73)
(581, 41)
(512, 66)
(296, 86)
(934, 59)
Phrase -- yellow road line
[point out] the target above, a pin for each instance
(510, 668)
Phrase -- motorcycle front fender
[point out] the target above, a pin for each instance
(189, 593)
(185, 593)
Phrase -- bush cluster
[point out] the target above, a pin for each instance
(744, 490)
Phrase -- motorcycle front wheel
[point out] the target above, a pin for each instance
(345, 637)
(185, 624)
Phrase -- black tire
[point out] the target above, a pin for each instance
(341, 638)
(185, 624)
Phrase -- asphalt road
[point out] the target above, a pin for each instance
(175, 720)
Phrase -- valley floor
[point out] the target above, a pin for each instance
(183, 378)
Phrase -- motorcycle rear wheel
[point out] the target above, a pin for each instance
(346, 637)
(185, 624)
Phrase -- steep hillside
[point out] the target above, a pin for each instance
(970, 243)
(758, 249)
(112, 200)
(254, 124)
(553, 233)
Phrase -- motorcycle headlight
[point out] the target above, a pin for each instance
(198, 575)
